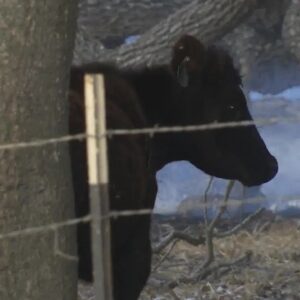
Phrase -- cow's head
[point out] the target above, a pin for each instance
(209, 90)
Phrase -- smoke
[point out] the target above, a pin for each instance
(179, 181)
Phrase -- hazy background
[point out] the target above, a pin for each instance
(181, 181)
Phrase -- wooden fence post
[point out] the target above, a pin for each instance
(98, 185)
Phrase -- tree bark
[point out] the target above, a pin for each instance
(291, 29)
(258, 35)
(35, 55)
(208, 20)
(118, 18)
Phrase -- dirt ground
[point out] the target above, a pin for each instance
(272, 271)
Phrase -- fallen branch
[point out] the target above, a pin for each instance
(239, 226)
(200, 275)
(207, 271)
(181, 235)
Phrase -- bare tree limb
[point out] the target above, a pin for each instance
(272, 24)
(208, 20)
(117, 18)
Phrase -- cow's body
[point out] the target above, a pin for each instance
(201, 86)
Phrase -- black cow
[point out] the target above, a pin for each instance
(200, 86)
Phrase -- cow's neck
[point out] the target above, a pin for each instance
(155, 88)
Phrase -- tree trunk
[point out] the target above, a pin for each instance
(35, 56)
(208, 20)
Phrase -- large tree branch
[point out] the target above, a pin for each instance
(206, 19)
(106, 18)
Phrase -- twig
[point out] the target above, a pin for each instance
(209, 232)
(178, 235)
(223, 207)
(205, 199)
(205, 272)
(165, 255)
(262, 227)
(240, 225)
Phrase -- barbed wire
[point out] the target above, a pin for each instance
(44, 142)
(209, 126)
(217, 203)
(149, 131)
(71, 222)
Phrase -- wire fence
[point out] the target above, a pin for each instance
(144, 131)
(148, 131)
(151, 132)
(110, 133)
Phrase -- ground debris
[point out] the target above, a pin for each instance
(273, 273)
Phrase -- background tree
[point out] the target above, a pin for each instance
(217, 18)
(35, 56)
(261, 35)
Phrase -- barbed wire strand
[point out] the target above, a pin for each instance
(150, 131)
(44, 142)
(111, 132)
(127, 213)
(71, 222)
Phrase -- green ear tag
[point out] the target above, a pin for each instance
(182, 73)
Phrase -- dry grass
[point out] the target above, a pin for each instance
(272, 273)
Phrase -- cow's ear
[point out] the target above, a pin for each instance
(182, 73)
(188, 59)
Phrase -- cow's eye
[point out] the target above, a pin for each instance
(232, 111)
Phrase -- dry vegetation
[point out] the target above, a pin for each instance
(271, 272)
